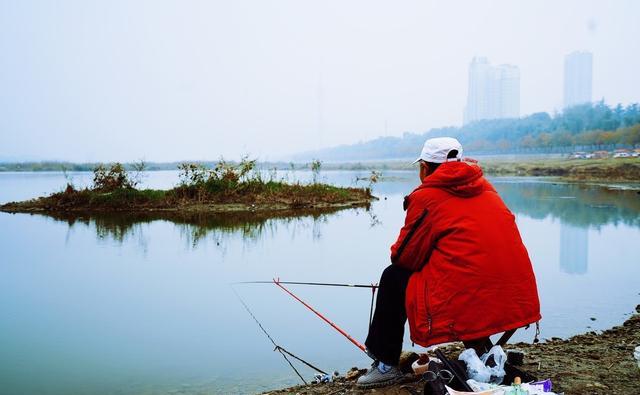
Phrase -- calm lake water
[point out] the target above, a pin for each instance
(124, 305)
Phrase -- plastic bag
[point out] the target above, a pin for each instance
(499, 356)
(534, 389)
(321, 378)
(543, 386)
(636, 355)
(475, 367)
(478, 370)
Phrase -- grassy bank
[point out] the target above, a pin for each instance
(611, 169)
(226, 187)
(618, 169)
(591, 363)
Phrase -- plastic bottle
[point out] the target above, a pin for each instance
(516, 388)
(421, 364)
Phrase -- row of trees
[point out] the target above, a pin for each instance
(590, 139)
(557, 129)
(597, 116)
(583, 125)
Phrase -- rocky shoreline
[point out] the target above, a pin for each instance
(589, 363)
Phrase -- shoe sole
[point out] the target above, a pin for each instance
(379, 384)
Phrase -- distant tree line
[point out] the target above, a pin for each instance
(70, 166)
(587, 126)
(148, 166)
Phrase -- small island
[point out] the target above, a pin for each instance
(227, 187)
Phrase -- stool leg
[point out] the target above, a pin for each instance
(482, 345)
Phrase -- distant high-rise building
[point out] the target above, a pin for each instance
(508, 81)
(577, 78)
(478, 96)
(494, 91)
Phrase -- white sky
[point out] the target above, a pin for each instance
(175, 80)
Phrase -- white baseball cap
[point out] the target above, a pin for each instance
(437, 149)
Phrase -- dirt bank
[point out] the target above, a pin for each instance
(618, 169)
(590, 363)
(608, 169)
(187, 208)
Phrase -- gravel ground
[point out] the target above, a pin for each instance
(591, 363)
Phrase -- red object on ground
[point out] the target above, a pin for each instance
(336, 327)
(473, 277)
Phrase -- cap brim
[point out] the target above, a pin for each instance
(416, 161)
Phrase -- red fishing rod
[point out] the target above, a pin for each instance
(336, 327)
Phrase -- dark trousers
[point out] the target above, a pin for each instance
(384, 341)
(386, 332)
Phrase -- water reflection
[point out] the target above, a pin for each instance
(578, 205)
(574, 248)
(195, 227)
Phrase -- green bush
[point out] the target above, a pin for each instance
(227, 182)
(115, 177)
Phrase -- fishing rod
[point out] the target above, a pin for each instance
(278, 348)
(280, 283)
(316, 312)
(371, 286)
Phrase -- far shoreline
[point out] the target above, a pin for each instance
(606, 169)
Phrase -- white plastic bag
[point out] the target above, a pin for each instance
(477, 369)
(497, 372)
(636, 355)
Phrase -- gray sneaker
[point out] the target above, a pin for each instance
(380, 375)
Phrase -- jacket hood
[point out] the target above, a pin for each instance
(458, 178)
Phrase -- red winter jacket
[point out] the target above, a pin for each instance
(472, 274)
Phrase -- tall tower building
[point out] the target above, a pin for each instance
(508, 82)
(494, 91)
(479, 92)
(577, 78)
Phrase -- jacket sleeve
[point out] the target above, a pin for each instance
(416, 240)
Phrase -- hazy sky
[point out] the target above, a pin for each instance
(173, 80)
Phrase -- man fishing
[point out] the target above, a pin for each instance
(459, 270)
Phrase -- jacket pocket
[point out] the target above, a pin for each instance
(418, 310)
(410, 234)
(412, 307)
(427, 307)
